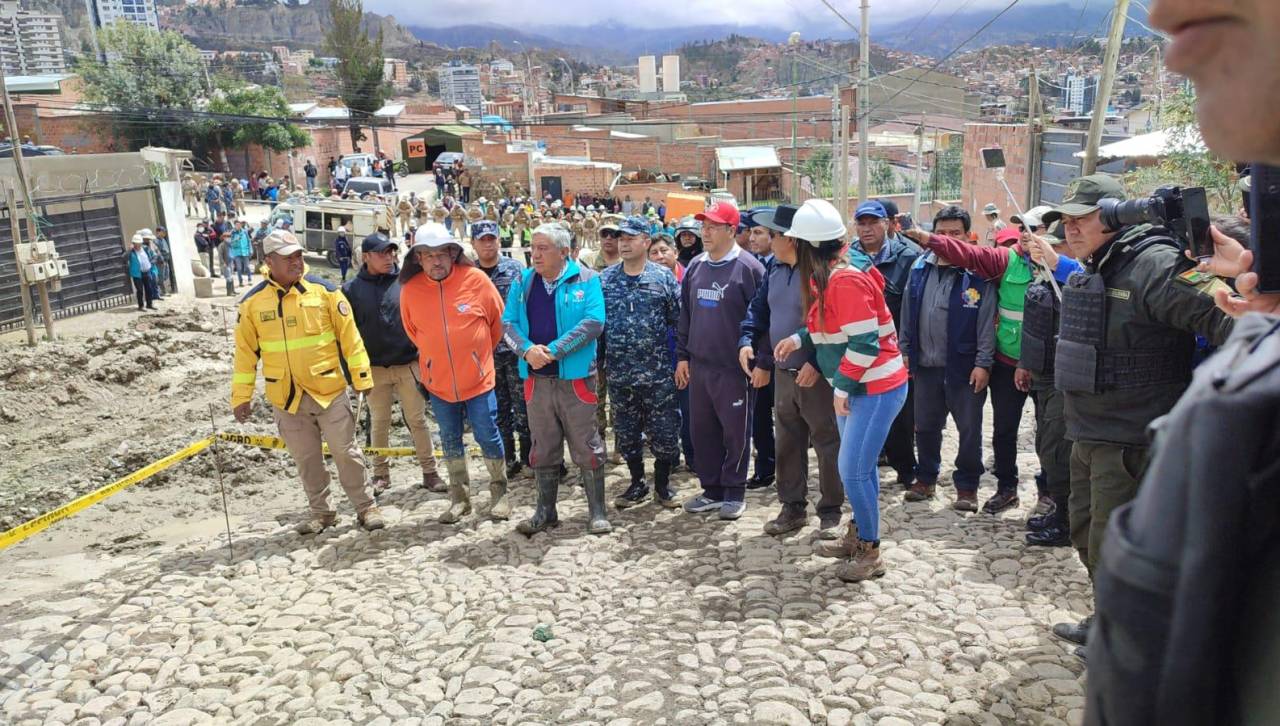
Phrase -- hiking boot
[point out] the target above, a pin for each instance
(597, 518)
(544, 512)
(791, 518)
(905, 480)
(1051, 536)
(379, 484)
(315, 524)
(732, 510)
(829, 525)
(760, 482)
(459, 491)
(702, 504)
(864, 565)
(1055, 517)
(432, 482)
(662, 492)
(639, 489)
(1001, 501)
(1044, 505)
(965, 502)
(499, 506)
(919, 492)
(372, 519)
(841, 548)
(1077, 633)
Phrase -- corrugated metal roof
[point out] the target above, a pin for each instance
(327, 112)
(391, 109)
(1153, 145)
(47, 82)
(737, 158)
(299, 109)
(454, 129)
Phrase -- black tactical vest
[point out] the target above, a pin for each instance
(1084, 363)
(1039, 328)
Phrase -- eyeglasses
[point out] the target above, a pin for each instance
(610, 233)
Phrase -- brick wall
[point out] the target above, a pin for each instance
(979, 186)
(576, 180)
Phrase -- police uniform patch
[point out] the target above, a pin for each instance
(291, 322)
(1203, 283)
(1118, 293)
(267, 316)
(343, 309)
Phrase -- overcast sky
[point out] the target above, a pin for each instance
(665, 13)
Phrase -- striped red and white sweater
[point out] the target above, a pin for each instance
(856, 341)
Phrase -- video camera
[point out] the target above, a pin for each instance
(1184, 212)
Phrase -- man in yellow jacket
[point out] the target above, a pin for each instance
(302, 330)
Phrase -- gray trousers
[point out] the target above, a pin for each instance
(805, 417)
(563, 412)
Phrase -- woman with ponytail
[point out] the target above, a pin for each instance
(852, 332)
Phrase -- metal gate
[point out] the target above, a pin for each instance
(1059, 164)
(86, 229)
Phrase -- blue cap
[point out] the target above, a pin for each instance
(635, 224)
(484, 227)
(871, 209)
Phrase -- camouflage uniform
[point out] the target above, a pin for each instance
(513, 417)
(642, 310)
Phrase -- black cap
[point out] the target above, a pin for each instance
(376, 242)
(890, 207)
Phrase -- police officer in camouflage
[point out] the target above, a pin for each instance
(644, 303)
(1124, 354)
(513, 418)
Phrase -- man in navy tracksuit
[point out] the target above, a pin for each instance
(714, 297)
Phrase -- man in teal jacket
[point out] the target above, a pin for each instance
(554, 314)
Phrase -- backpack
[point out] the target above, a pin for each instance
(1178, 571)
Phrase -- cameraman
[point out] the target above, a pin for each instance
(1124, 354)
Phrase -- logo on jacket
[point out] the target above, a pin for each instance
(971, 297)
(579, 295)
(711, 298)
(463, 307)
(738, 403)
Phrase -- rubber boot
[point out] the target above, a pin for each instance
(499, 507)
(544, 512)
(509, 455)
(597, 518)
(662, 490)
(459, 491)
(526, 446)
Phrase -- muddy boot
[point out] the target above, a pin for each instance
(459, 491)
(864, 565)
(841, 548)
(662, 491)
(597, 518)
(499, 507)
(544, 512)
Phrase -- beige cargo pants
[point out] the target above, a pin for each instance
(390, 383)
(303, 433)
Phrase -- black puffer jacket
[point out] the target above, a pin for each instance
(375, 300)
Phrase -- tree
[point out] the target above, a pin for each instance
(415, 84)
(1186, 162)
(250, 103)
(880, 177)
(360, 61)
(150, 82)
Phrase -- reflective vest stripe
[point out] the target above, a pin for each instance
(1014, 315)
(249, 378)
(310, 341)
(359, 360)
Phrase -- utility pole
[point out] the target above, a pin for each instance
(1033, 124)
(836, 107)
(33, 232)
(845, 114)
(795, 114)
(915, 202)
(864, 86)
(1109, 62)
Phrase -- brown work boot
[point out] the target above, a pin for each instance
(459, 491)
(919, 492)
(372, 519)
(432, 482)
(791, 518)
(864, 565)
(839, 548)
(965, 501)
(379, 484)
(315, 523)
(499, 506)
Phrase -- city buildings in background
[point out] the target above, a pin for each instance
(106, 12)
(460, 86)
(30, 41)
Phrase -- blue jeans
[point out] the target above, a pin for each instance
(860, 444)
(481, 411)
(243, 269)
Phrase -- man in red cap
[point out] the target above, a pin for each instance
(717, 290)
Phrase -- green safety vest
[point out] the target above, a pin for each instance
(1010, 297)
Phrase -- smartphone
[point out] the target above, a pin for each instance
(1264, 218)
(1195, 210)
(993, 158)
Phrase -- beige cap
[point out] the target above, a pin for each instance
(281, 242)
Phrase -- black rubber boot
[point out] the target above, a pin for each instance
(1056, 518)
(639, 489)
(597, 519)
(526, 446)
(544, 512)
(662, 491)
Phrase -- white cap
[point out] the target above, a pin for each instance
(817, 221)
(1032, 217)
(433, 236)
(281, 242)
(146, 233)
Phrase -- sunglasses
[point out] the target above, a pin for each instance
(610, 233)
(1025, 228)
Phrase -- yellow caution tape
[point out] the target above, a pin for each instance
(275, 442)
(26, 529)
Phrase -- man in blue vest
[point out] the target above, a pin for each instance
(948, 339)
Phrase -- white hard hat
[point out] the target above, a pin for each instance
(433, 235)
(817, 221)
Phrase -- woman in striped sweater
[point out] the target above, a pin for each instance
(857, 349)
